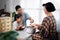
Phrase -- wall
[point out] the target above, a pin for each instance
(14, 3)
(2, 4)
(5, 4)
(9, 5)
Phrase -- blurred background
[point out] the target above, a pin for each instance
(33, 8)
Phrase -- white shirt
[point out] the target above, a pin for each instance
(15, 24)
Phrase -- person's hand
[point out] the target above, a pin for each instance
(19, 27)
(34, 25)
(31, 21)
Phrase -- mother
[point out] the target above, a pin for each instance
(47, 30)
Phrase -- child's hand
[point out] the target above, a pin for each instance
(19, 27)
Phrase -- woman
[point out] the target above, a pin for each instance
(48, 26)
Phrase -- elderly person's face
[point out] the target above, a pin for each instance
(45, 10)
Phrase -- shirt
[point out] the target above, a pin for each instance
(15, 24)
(47, 30)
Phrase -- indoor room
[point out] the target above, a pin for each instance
(24, 19)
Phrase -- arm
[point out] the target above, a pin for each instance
(19, 27)
(28, 17)
(44, 27)
(16, 27)
(31, 20)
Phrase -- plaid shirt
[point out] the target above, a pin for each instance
(47, 29)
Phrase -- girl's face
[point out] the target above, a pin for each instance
(19, 19)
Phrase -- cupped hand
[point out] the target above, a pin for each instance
(34, 25)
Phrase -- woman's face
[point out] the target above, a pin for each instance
(45, 10)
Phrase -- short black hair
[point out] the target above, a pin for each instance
(17, 7)
(50, 7)
(17, 16)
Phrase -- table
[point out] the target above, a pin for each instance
(25, 34)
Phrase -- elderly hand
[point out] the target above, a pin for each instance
(34, 25)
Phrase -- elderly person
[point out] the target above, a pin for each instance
(47, 30)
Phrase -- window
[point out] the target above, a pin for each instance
(34, 9)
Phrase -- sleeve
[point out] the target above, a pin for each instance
(14, 26)
(44, 28)
(27, 16)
